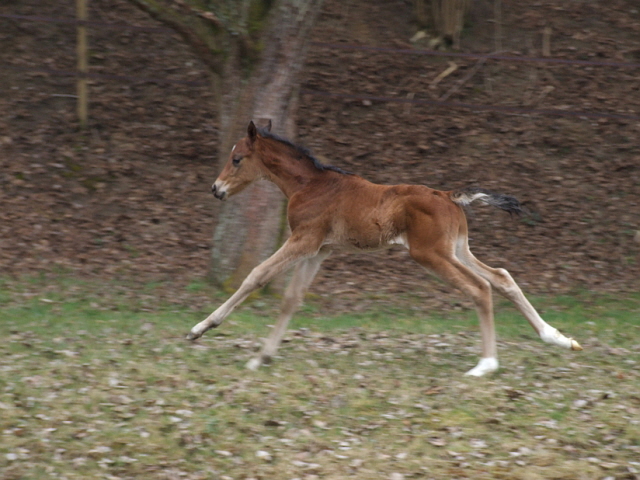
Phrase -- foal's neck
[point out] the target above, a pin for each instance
(288, 168)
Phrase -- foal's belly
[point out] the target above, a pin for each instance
(368, 225)
(359, 244)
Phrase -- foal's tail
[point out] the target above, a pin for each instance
(467, 195)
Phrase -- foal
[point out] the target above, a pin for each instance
(330, 209)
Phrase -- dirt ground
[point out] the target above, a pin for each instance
(130, 196)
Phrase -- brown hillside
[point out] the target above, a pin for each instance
(130, 196)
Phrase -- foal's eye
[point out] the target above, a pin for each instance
(236, 161)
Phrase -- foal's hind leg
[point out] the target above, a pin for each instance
(452, 270)
(502, 281)
(302, 277)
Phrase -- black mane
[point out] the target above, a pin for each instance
(302, 151)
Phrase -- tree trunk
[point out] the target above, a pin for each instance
(447, 18)
(256, 49)
(250, 226)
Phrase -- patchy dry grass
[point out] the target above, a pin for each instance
(97, 382)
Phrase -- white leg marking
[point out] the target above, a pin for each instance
(552, 335)
(485, 365)
(254, 363)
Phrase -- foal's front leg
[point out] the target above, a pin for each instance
(300, 281)
(290, 253)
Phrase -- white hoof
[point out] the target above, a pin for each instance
(254, 364)
(553, 336)
(485, 365)
(202, 327)
(193, 335)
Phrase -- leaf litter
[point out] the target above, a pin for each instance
(337, 403)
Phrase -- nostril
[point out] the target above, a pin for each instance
(213, 189)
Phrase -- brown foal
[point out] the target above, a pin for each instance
(330, 209)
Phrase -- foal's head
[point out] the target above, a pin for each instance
(242, 168)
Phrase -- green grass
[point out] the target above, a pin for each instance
(97, 381)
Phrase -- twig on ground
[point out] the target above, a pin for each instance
(463, 80)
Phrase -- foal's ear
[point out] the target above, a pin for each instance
(252, 132)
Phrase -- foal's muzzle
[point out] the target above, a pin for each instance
(218, 192)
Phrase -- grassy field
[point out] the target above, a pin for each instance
(97, 382)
